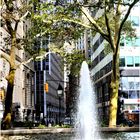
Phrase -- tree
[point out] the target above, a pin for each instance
(111, 24)
(11, 18)
(114, 22)
(12, 15)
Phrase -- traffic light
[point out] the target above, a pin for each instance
(46, 87)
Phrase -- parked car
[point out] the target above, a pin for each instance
(123, 119)
(132, 116)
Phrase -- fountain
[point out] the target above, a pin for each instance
(86, 119)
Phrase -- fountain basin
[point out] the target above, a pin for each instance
(63, 130)
(67, 133)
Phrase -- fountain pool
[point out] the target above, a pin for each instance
(69, 136)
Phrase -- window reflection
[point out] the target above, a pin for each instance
(137, 61)
(130, 83)
(133, 95)
(130, 87)
(130, 42)
(137, 84)
(125, 94)
(135, 20)
(129, 61)
(122, 61)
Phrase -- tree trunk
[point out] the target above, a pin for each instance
(6, 122)
(114, 85)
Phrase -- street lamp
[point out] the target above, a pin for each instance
(60, 93)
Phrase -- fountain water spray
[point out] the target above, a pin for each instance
(86, 119)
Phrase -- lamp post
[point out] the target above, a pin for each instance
(60, 93)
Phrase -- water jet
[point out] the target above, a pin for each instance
(86, 118)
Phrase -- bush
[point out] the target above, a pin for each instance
(18, 124)
(28, 124)
(41, 126)
(63, 126)
(57, 126)
(104, 123)
(23, 124)
(66, 126)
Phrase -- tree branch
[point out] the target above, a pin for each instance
(109, 30)
(117, 27)
(6, 57)
(93, 22)
(33, 58)
(125, 18)
(9, 27)
(71, 20)
(24, 16)
(40, 34)
(16, 25)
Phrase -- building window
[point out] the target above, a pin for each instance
(137, 83)
(128, 42)
(137, 42)
(96, 45)
(131, 85)
(124, 83)
(122, 40)
(122, 61)
(137, 61)
(133, 95)
(47, 67)
(125, 94)
(102, 55)
(132, 42)
(138, 94)
(100, 111)
(135, 20)
(129, 61)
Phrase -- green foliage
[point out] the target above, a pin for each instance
(48, 26)
(28, 124)
(128, 29)
(54, 12)
(104, 123)
(41, 126)
(63, 126)
(66, 126)
(52, 17)
(51, 26)
(57, 126)
(75, 60)
(107, 48)
(72, 59)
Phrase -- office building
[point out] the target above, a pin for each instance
(49, 105)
